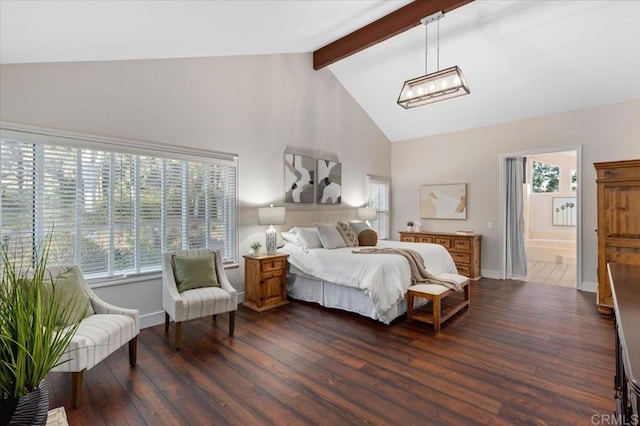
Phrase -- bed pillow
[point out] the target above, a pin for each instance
(358, 226)
(195, 271)
(348, 234)
(368, 237)
(307, 238)
(330, 236)
(290, 237)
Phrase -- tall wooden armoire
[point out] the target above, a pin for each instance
(618, 222)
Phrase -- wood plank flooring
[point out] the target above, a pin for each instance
(523, 354)
(552, 273)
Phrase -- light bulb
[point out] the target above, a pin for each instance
(432, 87)
(420, 91)
(444, 84)
(457, 81)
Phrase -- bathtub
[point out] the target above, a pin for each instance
(553, 247)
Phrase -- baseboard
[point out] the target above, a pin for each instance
(589, 286)
(149, 320)
(487, 273)
(155, 318)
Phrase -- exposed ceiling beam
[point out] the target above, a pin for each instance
(386, 27)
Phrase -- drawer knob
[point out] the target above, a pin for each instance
(273, 264)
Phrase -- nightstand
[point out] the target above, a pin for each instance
(265, 281)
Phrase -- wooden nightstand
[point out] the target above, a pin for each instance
(265, 281)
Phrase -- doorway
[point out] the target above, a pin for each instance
(551, 215)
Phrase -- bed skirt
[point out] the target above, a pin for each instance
(337, 296)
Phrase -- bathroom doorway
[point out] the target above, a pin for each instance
(551, 215)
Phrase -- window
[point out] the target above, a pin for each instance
(378, 189)
(546, 177)
(113, 213)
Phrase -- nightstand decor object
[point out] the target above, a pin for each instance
(271, 216)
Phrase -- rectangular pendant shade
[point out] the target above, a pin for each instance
(434, 87)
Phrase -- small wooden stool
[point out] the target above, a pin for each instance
(445, 302)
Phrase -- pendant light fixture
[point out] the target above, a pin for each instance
(437, 86)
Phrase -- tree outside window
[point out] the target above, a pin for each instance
(573, 180)
(546, 177)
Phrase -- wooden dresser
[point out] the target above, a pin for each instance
(465, 249)
(625, 284)
(618, 184)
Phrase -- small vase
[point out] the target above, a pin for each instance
(409, 228)
(256, 251)
(30, 409)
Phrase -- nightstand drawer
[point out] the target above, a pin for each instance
(443, 241)
(272, 265)
(461, 257)
(425, 239)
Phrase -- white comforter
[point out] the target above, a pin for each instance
(384, 278)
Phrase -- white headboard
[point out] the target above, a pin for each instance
(310, 218)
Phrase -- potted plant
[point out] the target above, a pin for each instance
(30, 341)
(255, 246)
(410, 226)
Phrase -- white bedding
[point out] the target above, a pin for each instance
(384, 278)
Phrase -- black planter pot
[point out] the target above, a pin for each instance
(30, 409)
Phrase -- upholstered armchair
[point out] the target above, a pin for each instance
(182, 303)
(105, 329)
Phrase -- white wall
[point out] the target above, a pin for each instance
(253, 106)
(606, 133)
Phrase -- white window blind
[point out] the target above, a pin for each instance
(378, 196)
(113, 213)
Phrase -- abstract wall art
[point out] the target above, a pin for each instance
(299, 177)
(329, 182)
(447, 201)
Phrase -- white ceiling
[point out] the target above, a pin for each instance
(520, 58)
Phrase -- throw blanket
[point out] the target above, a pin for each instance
(418, 272)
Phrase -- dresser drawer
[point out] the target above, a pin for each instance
(425, 239)
(463, 270)
(461, 257)
(461, 244)
(273, 265)
(408, 238)
(443, 241)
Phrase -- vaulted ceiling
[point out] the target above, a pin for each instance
(521, 58)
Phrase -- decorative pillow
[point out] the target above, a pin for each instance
(368, 237)
(308, 238)
(348, 234)
(74, 302)
(358, 226)
(290, 237)
(195, 271)
(330, 236)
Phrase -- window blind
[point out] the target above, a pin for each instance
(113, 213)
(378, 195)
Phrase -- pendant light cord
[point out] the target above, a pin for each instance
(426, 49)
(438, 47)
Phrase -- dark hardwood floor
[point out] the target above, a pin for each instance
(523, 354)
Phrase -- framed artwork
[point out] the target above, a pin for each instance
(563, 210)
(299, 178)
(329, 182)
(448, 201)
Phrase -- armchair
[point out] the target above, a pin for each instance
(97, 337)
(196, 302)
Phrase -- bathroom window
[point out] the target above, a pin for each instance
(546, 177)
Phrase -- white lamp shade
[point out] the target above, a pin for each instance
(434, 87)
(271, 215)
(367, 213)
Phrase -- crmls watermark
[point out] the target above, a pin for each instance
(612, 419)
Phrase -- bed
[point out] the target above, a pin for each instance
(372, 285)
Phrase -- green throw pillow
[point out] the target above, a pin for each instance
(195, 271)
(74, 302)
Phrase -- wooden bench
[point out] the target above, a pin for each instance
(444, 302)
